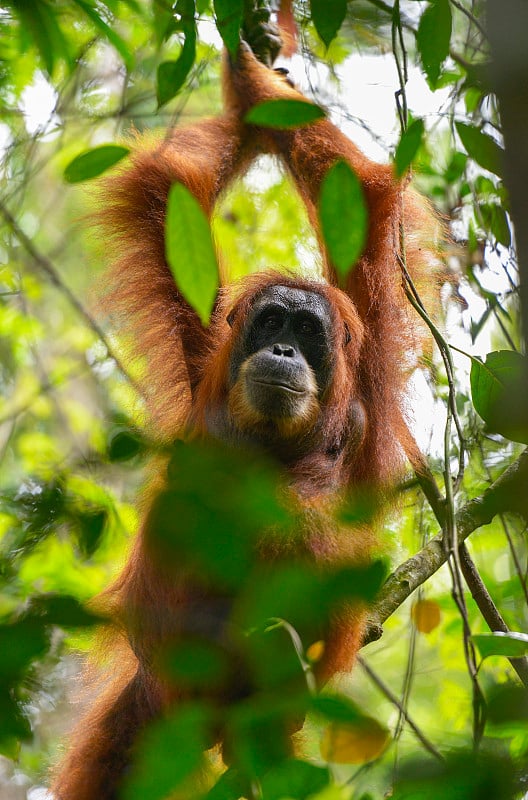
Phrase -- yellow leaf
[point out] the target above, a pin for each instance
(315, 651)
(347, 743)
(426, 615)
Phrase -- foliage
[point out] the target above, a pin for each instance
(189, 241)
(435, 708)
(343, 216)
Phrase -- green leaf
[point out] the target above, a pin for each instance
(124, 446)
(294, 778)
(211, 525)
(496, 220)
(63, 610)
(230, 786)
(461, 775)
(498, 394)
(256, 728)
(478, 77)
(455, 168)
(94, 162)
(194, 663)
(190, 252)
(228, 22)
(40, 21)
(336, 708)
(408, 145)
(107, 32)
(507, 702)
(511, 645)
(172, 74)
(21, 642)
(14, 725)
(485, 186)
(328, 16)
(164, 24)
(284, 114)
(344, 216)
(481, 147)
(433, 37)
(170, 750)
(472, 98)
(91, 526)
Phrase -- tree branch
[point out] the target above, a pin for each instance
(487, 607)
(507, 493)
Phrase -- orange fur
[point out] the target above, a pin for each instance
(187, 379)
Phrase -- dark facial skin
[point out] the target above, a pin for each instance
(286, 346)
(281, 366)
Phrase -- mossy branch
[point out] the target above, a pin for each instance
(507, 493)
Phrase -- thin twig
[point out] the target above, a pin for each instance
(504, 329)
(411, 654)
(414, 299)
(471, 17)
(453, 562)
(388, 9)
(12, 414)
(394, 700)
(397, 41)
(47, 267)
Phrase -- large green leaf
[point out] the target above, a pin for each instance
(481, 147)
(170, 750)
(94, 162)
(210, 525)
(172, 74)
(511, 645)
(284, 114)
(190, 252)
(63, 610)
(230, 786)
(21, 642)
(498, 395)
(433, 37)
(328, 16)
(294, 778)
(408, 145)
(344, 216)
(228, 21)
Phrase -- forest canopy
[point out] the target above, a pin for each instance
(437, 705)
